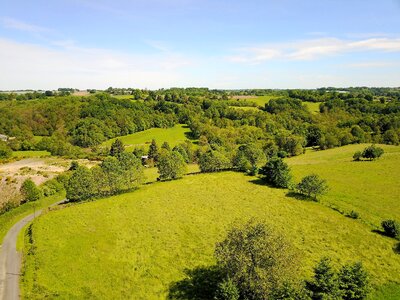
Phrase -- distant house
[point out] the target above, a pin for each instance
(3, 137)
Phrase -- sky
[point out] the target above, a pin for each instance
(224, 44)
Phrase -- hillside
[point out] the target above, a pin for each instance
(137, 245)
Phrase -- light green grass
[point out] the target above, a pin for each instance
(8, 219)
(123, 97)
(174, 136)
(371, 188)
(245, 108)
(135, 245)
(313, 107)
(29, 154)
(259, 100)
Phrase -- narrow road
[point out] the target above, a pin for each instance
(10, 259)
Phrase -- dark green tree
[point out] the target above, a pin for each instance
(277, 173)
(248, 157)
(353, 282)
(166, 146)
(117, 148)
(325, 283)
(5, 151)
(391, 228)
(153, 151)
(372, 152)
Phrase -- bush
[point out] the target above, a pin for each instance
(5, 151)
(277, 173)
(391, 228)
(312, 186)
(227, 290)
(357, 156)
(29, 191)
(354, 215)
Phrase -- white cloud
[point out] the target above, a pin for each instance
(67, 64)
(22, 26)
(313, 49)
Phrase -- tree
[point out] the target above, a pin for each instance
(81, 185)
(153, 151)
(256, 259)
(227, 290)
(277, 173)
(182, 151)
(248, 157)
(391, 228)
(213, 161)
(117, 148)
(325, 283)
(353, 282)
(357, 156)
(5, 151)
(166, 146)
(171, 165)
(391, 137)
(312, 186)
(372, 152)
(30, 191)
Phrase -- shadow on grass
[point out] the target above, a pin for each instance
(380, 232)
(396, 248)
(259, 181)
(299, 196)
(200, 283)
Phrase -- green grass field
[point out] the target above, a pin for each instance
(349, 180)
(136, 245)
(313, 106)
(29, 154)
(173, 136)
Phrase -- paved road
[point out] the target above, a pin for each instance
(10, 260)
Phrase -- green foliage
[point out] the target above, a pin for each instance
(117, 147)
(182, 151)
(29, 191)
(166, 146)
(391, 228)
(171, 165)
(81, 185)
(391, 137)
(372, 152)
(213, 161)
(354, 215)
(74, 165)
(277, 173)
(312, 186)
(325, 283)
(357, 156)
(248, 157)
(227, 290)
(256, 259)
(353, 282)
(153, 151)
(5, 151)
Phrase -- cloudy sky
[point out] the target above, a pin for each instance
(214, 43)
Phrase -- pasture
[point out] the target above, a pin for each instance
(137, 245)
(175, 135)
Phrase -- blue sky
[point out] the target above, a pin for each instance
(213, 43)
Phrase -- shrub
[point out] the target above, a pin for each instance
(227, 290)
(277, 173)
(354, 215)
(357, 156)
(74, 165)
(30, 191)
(312, 186)
(391, 228)
(5, 151)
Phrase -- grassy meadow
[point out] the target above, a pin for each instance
(173, 136)
(137, 245)
(371, 188)
(313, 107)
(30, 154)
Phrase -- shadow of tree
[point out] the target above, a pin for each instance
(298, 196)
(200, 284)
(260, 181)
(396, 248)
